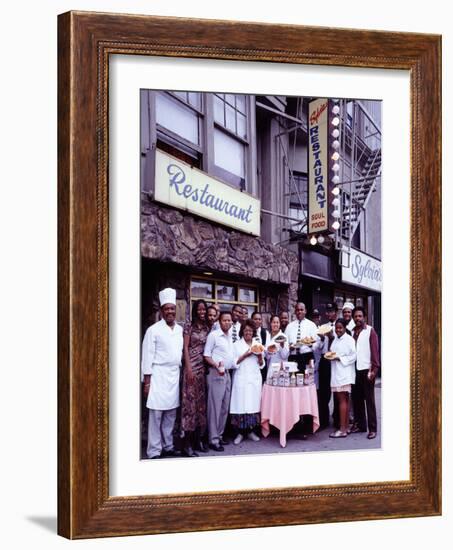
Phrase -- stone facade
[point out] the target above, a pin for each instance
(179, 239)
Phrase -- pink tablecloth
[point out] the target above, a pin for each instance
(282, 407)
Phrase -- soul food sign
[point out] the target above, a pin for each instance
(178, 184)
(318, 167)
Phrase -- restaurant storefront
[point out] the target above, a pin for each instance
(323, 281)
(201, 259)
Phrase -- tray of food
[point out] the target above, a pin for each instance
(330, 355)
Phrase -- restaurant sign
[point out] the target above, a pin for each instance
(318, 167)
(178, 184)
(363, 270)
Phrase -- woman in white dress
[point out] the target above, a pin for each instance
(277, 348)
(247, 383)
(342, 373)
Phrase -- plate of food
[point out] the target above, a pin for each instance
(324, 329)
(272, 348)
(330, 355)
(257, 348)
(280, 338)
(308, 340)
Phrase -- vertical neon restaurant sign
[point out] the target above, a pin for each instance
(318, 166)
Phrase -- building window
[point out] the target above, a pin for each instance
(225, 293)
(341, 297)
(230, 137)
(210, 131)
(230, 112)
(298, 197)
(179, 116)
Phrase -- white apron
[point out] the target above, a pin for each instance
(164, 391)
(247, 383)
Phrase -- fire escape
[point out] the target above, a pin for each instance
(360, 153)
(360, 177)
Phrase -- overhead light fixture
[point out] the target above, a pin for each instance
(335, 109)
(336, 144)
(336, 225)
(313, 240)
(335, 156)
(336, 191)
(336, 121)
(207, 273)
(335, 133)
(321, 239)
(336, 180)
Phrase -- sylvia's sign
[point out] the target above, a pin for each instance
(178, 184)
(318, 169)
(363, 271)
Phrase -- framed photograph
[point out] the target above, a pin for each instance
(249, 251)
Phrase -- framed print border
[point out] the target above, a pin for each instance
(86, 41)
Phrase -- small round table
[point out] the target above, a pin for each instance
(283, 406)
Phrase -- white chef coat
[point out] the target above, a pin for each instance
(307, 328)
(161, 358)
(247, 382)
(343, 369)
(219, 346)
(281, 354)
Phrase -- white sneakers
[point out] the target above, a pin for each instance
(238, 439)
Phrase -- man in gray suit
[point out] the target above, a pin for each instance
(218, 354)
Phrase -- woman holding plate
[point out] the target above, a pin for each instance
(246, 391)
(277, 349)
(342, 355)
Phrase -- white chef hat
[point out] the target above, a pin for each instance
(348, 305)
(167, 296)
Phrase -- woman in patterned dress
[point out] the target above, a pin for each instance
(193, 399)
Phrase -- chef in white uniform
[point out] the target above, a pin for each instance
(347, 309)
(161, 363)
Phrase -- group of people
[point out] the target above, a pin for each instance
(224, 357)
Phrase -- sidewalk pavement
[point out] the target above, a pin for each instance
(318, 442)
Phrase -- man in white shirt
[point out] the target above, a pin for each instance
(236, 317)
(218, 354)
(298, 330)
(302, 353)
(161, 363)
